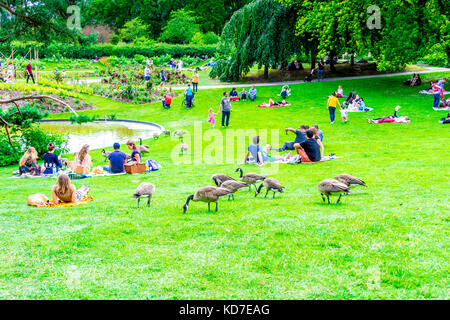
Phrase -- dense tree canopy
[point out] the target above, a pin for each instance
(261, 32)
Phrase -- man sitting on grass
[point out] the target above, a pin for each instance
(252, 93)
(299, 138)
(309, 149)
(117, 159)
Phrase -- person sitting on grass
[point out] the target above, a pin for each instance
(319, 132)
(309, 149)
(135, 154)
(285, 92)
(83, 161)
(234, 95)
(300, 136)
(446, 120)
(167, 101)
(51, 161)
(261, 156)
(417, 81)
(252, 93)
(243, 94)
(350, 98)
(28, 163)
(340, 92)
(318, 140)
(64, 191)
(117, 160)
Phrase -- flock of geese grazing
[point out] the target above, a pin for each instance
(228, 186)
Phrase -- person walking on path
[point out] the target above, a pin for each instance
(195, 81)
(321, 69)
(225, 107)
(331, 106)
(189, 96)
(29, 70)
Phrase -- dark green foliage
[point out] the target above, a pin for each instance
(30, 114)
(107, 50)
(39, 139)
(9, 154)
(262, 32)
(180, 28)
(83, 118)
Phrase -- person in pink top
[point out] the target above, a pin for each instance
(437, 92)
(211, 118)
(29, 70)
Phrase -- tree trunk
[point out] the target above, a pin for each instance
(266, 72)
(352, 59)
(313, 58)
(332, 67)
(7, 132)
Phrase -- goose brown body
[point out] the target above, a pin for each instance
(145, 189)
(233, 186)
(330, 187)
(220, 178)
(350, 180)
(207, 194)
(271, 184)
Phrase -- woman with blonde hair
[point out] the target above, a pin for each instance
(135, 154)
(28, 163)
(83, 161)
(64, 191)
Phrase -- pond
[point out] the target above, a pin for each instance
(101, 134)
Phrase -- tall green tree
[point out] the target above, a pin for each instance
(181, 27)
(262, 32)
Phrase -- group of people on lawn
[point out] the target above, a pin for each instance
(81, 164)
(307, 147)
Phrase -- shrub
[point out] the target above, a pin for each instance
(39, 139)
(9, 155)
(82, 118)
(210, 38)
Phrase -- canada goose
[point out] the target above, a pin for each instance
(142, 148)
(180, 134)
(145, 189)
(106, 154)
(250, 178)
(271, 184)
(233, 186)
(220, 178)
(155, 135)
(167, 132)
(64, 162)
(350, 180)
(206, 194)
(183, 147)
(332, 187)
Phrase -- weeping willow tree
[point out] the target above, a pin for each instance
(262, 32)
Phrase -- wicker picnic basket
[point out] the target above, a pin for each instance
(135, 168)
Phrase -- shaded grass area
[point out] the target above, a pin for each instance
(387, 241)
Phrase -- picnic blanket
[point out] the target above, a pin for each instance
(326, 158)
(431, 92)
(440, 109)
(266, 105)
(366, 109)
(51, 204)
(71, 175)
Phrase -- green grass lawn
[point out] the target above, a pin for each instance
(389, 241)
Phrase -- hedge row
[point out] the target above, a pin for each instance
(106, 50)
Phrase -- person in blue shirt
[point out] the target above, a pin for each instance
(252, 93)
(51, 161)
(117, 159)
(189, 96)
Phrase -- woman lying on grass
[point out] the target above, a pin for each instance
(274, 104)
(64, 191)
